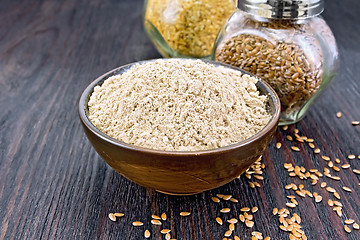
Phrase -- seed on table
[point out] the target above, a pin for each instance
(355, 123)
(318, 198)
(326, 158)
(165, 231)
(163, 216)
(356, 171)
(323, 184)
(356, 226)
(258, 177)
(347, 189)
(184, 214)
(349, 221)
(156, 217)
(347, 229)
(288, 137)
(267, 238)
(285, 127)
(337, 178)
(219, 220)
(225, 210)
(316, 150)
(311, 145)
(301, 194)
(254, 209)
(278, 145)
(167, 236)
(245, 209)
(220, 195)
(215, 199)
(249, 223)
(275, 211)
(345, 166)
(291, 205)
(227, 197)
(337, 203)
(330, 189)
(330, 202)
(232, 220)
(147, 233)
(236, 238)
(155, 222)
(112, 217)
(228, 233)
(296, 149)
(338, 114)
(118, 214)
(234, 200)
(351, 157)
(137, 223)
(242, 218)
(231, 227)
(338, 211)
(336, 169)
(336, 195)
(337, 160)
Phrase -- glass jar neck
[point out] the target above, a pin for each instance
(282, 9)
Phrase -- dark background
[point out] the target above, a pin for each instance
(53, 185)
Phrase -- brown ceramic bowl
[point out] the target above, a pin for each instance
(175, 172)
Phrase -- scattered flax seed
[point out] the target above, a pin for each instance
(336, 169)
(267, 238)
(249, 223)
(184, 214)
(356, 226)
(167, 236)
(275, 211)
(285, 127)
(351, 157)
(309, 140)
(278, 145)
(323, 184)
(234, 200)
(118, 214)
(335, 178)
(242, 218)
(228, 233)
(336, 195)
(245, 209)
(236, 238)
(225, 210)
(345, 166)
(291, 205)
(337, 203)
(233, 221)
(347, 229)
(137, 223)
(318, 198)
(349, 221)
(330, 202)
(338, 114)
(155, 222)
(356, 171)
(301, 194)
(288, 137)
(147, 233)
(355, 123)
(215, 199)
(338, 211)
(296, 149)
(165, 231)
(156, 217)
(326, 158)
(347, 189)
(220, 195)
(231, 227)
(317, 150)
(330, 164)
(227, 197)
(219, 221)
(311, 145)
(112, 217)
(163, 216)
(337, 160)
(254, 209)
(330, 189)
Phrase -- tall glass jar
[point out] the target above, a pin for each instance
(185, 28)
(287, 44)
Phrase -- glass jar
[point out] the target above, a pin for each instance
(185, 28)
(287, 44)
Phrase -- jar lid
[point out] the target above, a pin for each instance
(282, 9)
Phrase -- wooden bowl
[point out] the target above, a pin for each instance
(175, 172)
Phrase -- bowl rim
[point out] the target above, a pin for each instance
(98, 81)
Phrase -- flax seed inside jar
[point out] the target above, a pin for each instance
(294, 51)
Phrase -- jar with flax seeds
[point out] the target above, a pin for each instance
(186, 28)
(286, 43)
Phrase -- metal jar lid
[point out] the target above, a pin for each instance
(282, 9)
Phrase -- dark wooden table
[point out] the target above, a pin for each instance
(53, 185)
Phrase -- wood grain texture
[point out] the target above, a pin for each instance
(54, 186)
